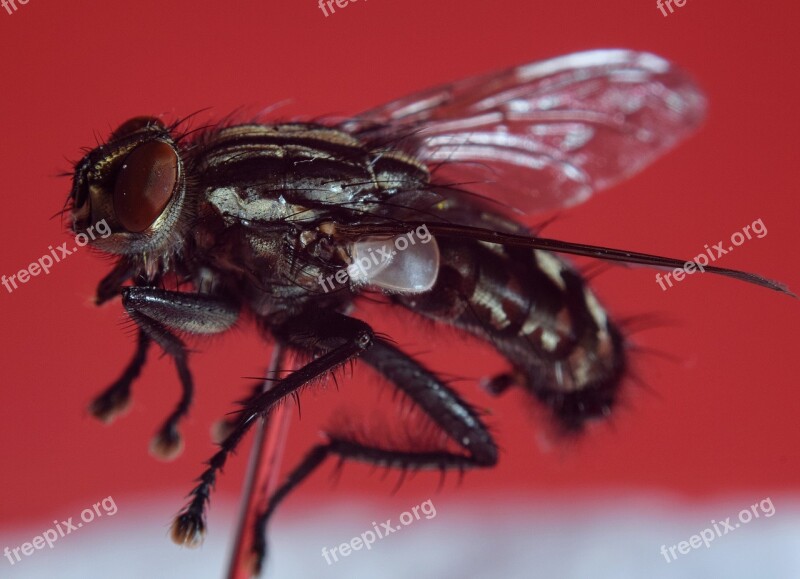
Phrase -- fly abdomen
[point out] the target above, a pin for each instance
(537, 312)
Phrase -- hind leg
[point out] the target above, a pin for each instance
(448, 411)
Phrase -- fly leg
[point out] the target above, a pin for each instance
(454, 416)
(107, 405)
(111, 285)
(224, 426)
(333, 339)
(158, 314)
(115, 399)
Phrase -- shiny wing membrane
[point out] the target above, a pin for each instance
(546, 135)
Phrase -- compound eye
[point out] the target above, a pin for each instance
(145, 184)
(136, 124)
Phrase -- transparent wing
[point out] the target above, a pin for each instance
(549, 134)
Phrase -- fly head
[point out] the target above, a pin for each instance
(135, 185)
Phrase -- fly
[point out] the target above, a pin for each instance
(290, 223)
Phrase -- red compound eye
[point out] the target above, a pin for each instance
(145, 185)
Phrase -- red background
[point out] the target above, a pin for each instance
(722, 420)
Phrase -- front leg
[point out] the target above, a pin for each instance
(159, 314)
(115, 399)
(332, 339)
(111, 285)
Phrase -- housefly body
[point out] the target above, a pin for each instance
(290, 223)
